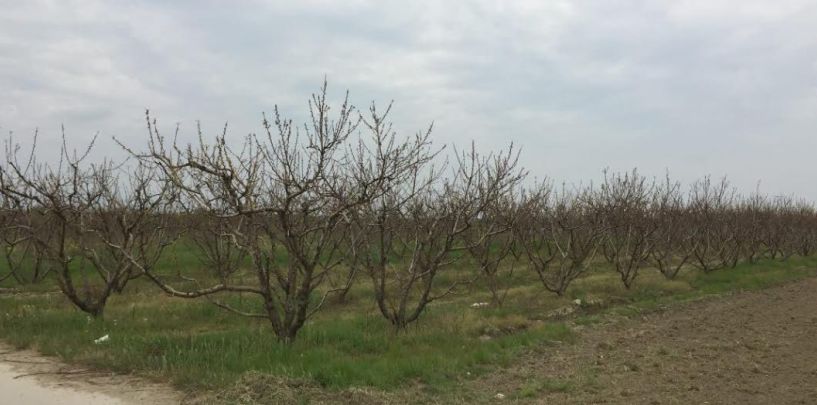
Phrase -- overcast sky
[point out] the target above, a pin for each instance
(694, 87)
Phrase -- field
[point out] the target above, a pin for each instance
(349, 347)
(341, 262)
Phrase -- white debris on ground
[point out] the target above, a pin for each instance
(561, 312)
(499, 396)
(479, 304)
(103, 339)
(577, 302)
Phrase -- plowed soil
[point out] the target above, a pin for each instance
(747, 348)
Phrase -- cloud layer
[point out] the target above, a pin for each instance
(693, 87)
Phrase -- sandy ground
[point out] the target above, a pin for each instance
(749, 348)
(27, 378)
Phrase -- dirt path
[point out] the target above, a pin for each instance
(749, 348)
(29, 378)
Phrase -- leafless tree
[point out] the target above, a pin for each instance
(623, 200)
(417, 228)
(22, 261)
(18, 219)
(536, 233)
(672, 241)
(63, 194)
(491, 243)
(22, 257)
(708, 202)
(750, 215)
(77, 211)
(804, 235)
(211, 237)
(8, 219)
(735, 232)
(560, 234)
(127, 229)
(775, 228)
(289, 193)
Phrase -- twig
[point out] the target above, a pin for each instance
(22, 361)
(60, 372)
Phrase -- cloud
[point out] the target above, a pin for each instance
(695, 87)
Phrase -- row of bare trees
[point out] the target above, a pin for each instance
(629, 223)
(299, 214)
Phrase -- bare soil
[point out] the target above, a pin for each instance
(748, 348)
(26, 377)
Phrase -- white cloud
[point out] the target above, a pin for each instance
(716, 86)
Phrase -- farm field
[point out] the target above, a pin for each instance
(459, 202)
(747, 348)
(536, 346)
(344, 270)
(347, 264)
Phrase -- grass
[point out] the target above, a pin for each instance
(198, 346)
(535, 387)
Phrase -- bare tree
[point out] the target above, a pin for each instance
(290, 192)
(18, 220)
(749, 218)
(491, 242)
(537, 236)
(804, 235)
(22, 256)
(212, 239)
(127, 229)
(417, 228)
(672, 242)
(8, 216)
(22, 260)
(76, 212)
(786, 224)
(560, 234)
(708, 202)
(64, 194)
(775, 228)
(628, 240)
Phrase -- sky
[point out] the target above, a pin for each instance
(709, 87)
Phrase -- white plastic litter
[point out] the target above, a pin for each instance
(479, 304)
(102, 339)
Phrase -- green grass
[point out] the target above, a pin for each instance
(533, 388)
(198, 346)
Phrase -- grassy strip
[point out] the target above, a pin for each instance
(197, 346)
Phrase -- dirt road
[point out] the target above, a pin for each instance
(749, 348)
(27, 378)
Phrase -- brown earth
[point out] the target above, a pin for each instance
(748, 348)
